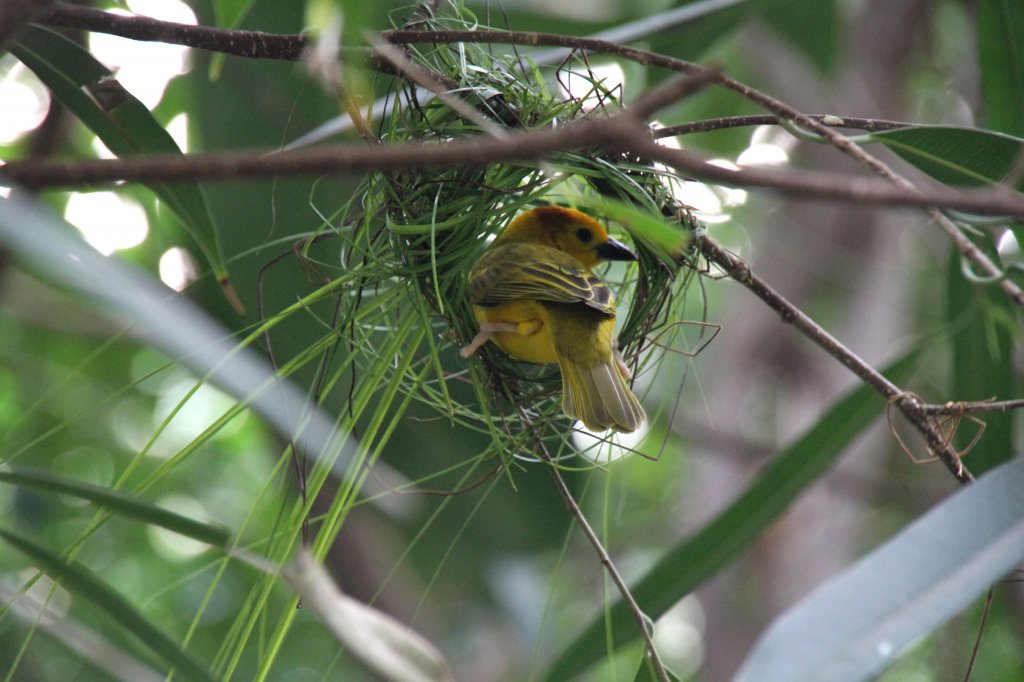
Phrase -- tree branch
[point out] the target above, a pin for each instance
(907, 403)
(832, 186)
(613, 134)
(251, 44)
(16, 14)
(342, 160)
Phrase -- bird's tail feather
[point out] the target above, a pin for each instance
(599, 397)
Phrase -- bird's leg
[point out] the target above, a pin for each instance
(620, 362)
(487, 330)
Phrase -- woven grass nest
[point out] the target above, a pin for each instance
(410, 237)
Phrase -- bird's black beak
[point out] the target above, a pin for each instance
(615, 250)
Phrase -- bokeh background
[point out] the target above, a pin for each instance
(496, 575)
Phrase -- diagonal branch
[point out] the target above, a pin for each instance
(912, 408)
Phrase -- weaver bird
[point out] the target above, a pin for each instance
(534, 295)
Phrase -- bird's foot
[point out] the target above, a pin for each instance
(487, 330)
(620, 361)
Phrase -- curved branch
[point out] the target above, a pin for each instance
(251, 44)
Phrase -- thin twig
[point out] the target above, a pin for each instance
(963, 407)
(641, 618)
(726, 122)
(981, 631)
(818, 185)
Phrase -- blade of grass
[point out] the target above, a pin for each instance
(686, 566)
(90, 645)
(126, 506)
(668, 239)
(82, 582)
(228, 14)
(176, 326)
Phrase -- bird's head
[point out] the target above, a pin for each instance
(568, 230)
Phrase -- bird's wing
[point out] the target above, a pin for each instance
(532, 271)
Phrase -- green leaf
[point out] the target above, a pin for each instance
(129, 508)
(649, 227)
(46, 245)
(1000, 36)
(713, 21)
(229, 13)
(89, 90)
(979, 320)
(83, 583)
(850, 627)
(720, 541)
(811, 26)
(954, 155)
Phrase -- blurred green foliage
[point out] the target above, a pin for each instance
(487, 562)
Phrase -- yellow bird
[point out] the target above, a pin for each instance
(534, 295)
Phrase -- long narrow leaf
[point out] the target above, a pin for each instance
(176, 326)
(89, 91)
(130, 508)
(736, 528)
(850, 627)
(85, 642)
(1000, 36)
(956, 156)
(83, 583)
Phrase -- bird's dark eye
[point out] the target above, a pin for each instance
(584, 235)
